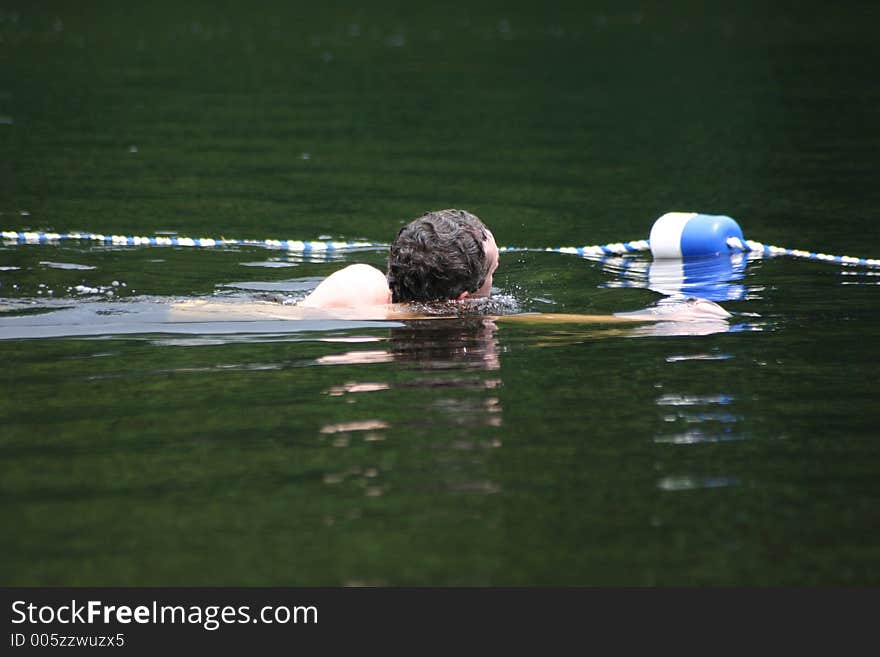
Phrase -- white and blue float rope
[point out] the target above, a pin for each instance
(734, 244)
(613, 248)
(41, 237)
(750, 246)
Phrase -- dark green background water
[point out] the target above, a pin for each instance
(508, 455)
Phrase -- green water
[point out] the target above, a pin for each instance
(445, 453)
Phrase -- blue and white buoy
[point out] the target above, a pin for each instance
(690, 234)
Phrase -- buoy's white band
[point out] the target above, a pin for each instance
(666, 233)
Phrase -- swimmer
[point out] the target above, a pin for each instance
(450, 255)
(444, 256)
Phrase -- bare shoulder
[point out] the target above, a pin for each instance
(354, 286)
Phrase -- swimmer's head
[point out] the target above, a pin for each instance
(441, 256)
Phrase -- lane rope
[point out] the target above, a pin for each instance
(675, 235)
(299, 246)
(759, 248)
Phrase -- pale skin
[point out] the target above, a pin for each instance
(355, 286)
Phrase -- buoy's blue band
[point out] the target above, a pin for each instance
(708, 235)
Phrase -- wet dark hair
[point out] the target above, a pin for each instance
(437, 257)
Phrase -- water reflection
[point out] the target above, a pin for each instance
(678, 358)
(697, 420)
(361, 357)
(450, 359)
(456, 344)
(362, 425)
(468, 343)
(693, 400)
(355, 386)
(715, 277)
(695, 483)
(696, 436)
(448, 355)
(444, 373)
(858, 277)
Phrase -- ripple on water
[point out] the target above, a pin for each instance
(860, 277)
(696, 483)
(356, 358)
(270, 264)
(65, 265)
(677, 358)
(693, 400)
(357, 425)
(357, 386)
(698, 418)
(697, 437)
(714, 426)
(296, 285)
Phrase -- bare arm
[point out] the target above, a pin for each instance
(690, 310)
